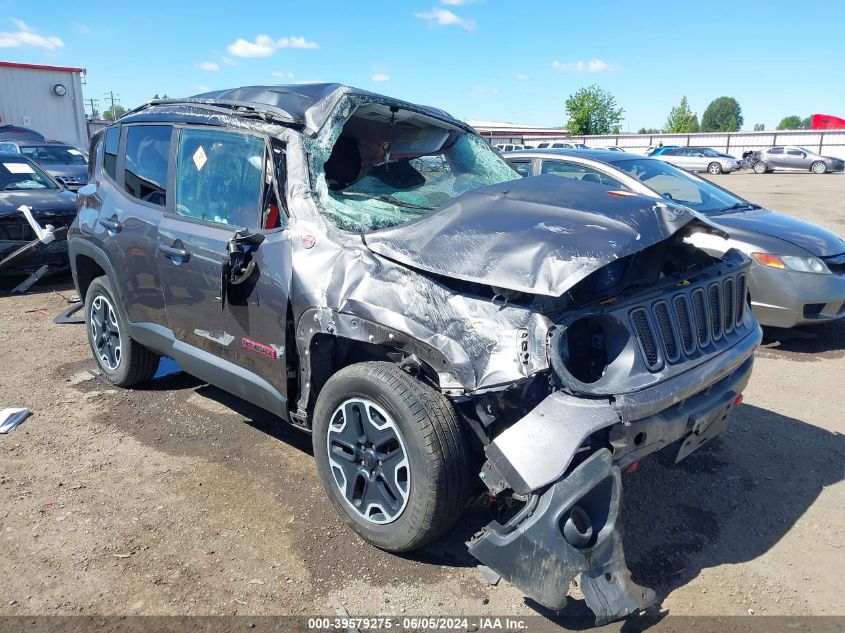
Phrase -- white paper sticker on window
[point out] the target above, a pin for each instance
(19, 168)
(200, 158)
(75, 152)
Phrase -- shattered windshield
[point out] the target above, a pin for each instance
(369, 190)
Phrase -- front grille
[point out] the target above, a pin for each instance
(728, 292)
(714, 302)
(682, 313)
(697, 319)
(699, 311)
(645, 335)
(740, 298)
(666, 331)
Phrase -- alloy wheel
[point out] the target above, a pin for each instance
(369, 461)
(105, 332)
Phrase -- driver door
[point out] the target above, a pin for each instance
(226, 278)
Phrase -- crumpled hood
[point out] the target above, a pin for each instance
(811, 237)
(541, 234)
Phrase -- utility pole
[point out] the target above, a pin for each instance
(110, 96)
(91, 102)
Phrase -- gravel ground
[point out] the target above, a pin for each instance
(179, 499)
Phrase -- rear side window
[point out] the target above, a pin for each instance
(523, 168)
(147, 157)
(219, 177)
(577, 172)
(110, 157)
(776, 150)
(795, 152)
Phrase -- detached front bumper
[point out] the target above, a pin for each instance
(569, 525)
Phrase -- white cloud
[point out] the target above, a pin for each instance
(25, 36)
(200, 87)
(444, 17)
(83, 29)
(592, 66)
(380, 77)
(282, 74)
(264, 45)
(522, 77)
(209, 66)
(228, 61)
(458, 3)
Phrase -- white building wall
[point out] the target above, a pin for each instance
(27, 99)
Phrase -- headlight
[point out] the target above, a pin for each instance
(792, 262)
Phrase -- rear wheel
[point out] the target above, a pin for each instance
(818, 167)
(760, 167)
(391, 455)
(714, 168)
(123, 361)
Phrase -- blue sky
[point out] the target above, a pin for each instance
(491, 60)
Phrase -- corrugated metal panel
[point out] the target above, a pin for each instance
(28, 100)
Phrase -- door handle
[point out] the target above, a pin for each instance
(111, 225)
(173, 252)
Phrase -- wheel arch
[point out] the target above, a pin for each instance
(87, 262)
(327, 341)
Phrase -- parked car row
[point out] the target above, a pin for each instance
(778, 158)
(798, 275)
(43, 176)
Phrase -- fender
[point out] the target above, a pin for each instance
(352, 327)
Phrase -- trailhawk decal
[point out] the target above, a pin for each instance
(270, 351)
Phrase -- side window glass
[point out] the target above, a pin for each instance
(219, 177)
(776, 150)
(578, 172)
(147, 152)
(522, 168)
(110, 158)
(794, 152)
(96, 159)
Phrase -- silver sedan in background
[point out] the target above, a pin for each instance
(700, 159)
(792, 158)
(798, 271)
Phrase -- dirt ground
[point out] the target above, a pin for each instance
(178, 499)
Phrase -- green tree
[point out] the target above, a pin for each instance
(113, 114)
(649, 130)
(759, 127)
(681, 118)
(722, 115)
(806, 123)
(790, 123)
(592, 111)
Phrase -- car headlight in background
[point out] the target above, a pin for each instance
(792, 262)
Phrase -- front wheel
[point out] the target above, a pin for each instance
(714, 169)
(818, 167)
(760, 167)
(391, 455)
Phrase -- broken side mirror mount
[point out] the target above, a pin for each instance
(45, 235)
(238, 264)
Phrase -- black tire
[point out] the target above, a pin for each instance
(818, 167)
(429, 433)
(714, 169)
(760, 167)
(134, 363)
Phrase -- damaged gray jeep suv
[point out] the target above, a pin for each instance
(372, 272)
